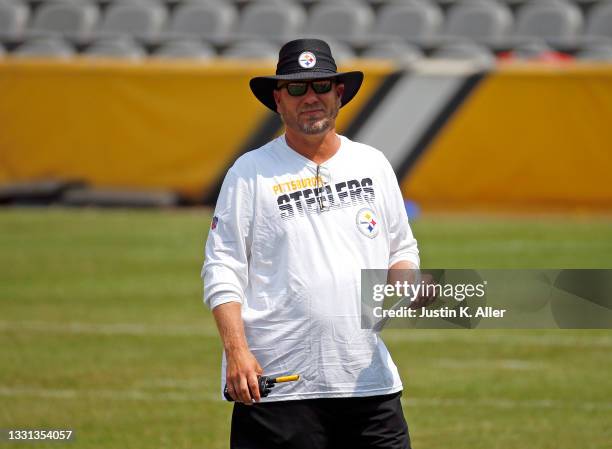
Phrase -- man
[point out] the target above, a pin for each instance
(295, 223)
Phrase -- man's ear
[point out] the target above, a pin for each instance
(340, 90)
(339, 93)
(277, 96)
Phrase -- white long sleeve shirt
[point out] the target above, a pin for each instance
(295, 263)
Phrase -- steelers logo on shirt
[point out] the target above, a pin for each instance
(367, 222)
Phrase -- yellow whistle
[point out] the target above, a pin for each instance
(282, 379)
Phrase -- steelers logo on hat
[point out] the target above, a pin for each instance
(367, 222)
(307, 60)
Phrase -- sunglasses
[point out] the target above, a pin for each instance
(299, 88)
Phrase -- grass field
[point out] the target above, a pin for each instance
(102, 330)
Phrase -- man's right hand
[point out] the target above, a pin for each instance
(241, 376)
(242, 368)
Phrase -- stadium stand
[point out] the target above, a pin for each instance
(596, 52)
(339, 2)
(251, 49)
(484, 21)
(262, 49)
(210, 20)
(361, 27)
(417, 21)
(599, 20)
(70, 19)
(115, 47)
(558, 22)
(336, 21)
(141, 19)
(185, 48)
(396, 50)
(531, 50)
(55, 48)
(402, 111)
(13, 18)
(465, 51)
(341, 50)
(271, 20)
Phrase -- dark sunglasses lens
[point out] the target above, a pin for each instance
(297, 89)
(322, 87)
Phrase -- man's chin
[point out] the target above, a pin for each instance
(318, 127)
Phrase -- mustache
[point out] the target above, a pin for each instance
(312, 108)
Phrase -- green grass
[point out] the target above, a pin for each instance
(102, 330)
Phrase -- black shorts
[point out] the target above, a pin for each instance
(371, 422)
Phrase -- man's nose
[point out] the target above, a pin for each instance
(310, 96)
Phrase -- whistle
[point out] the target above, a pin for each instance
(266, 384)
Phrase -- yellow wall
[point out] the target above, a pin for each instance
(162, 125)
(529, 138)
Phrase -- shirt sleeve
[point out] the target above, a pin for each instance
(402, 244)
(225, 270)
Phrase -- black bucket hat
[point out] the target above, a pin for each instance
(305, 59)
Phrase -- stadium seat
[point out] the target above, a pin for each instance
(185, 49)
(417, 21)
(346, 2)
(251, 49)
(518, 3)
(557, 22)
(115, 47)
(468, 51)
(588, 2)
(393, 50)
(271, 21)
(535, 50)
(336, 21)
(341, 50)
(142, 19)
(596, 52)
(13, 18)
(211, 20)
(599, 20)
(376, 3)
(483, 21)
(56, 48)
(136, 2)
(70, 19)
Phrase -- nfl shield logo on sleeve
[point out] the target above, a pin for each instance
(213, 223)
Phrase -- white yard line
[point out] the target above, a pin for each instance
(122, 395)
(510, 337)
(106, 329)
(138, 395)
(394, 336)
(491, 363)
(506, 403)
